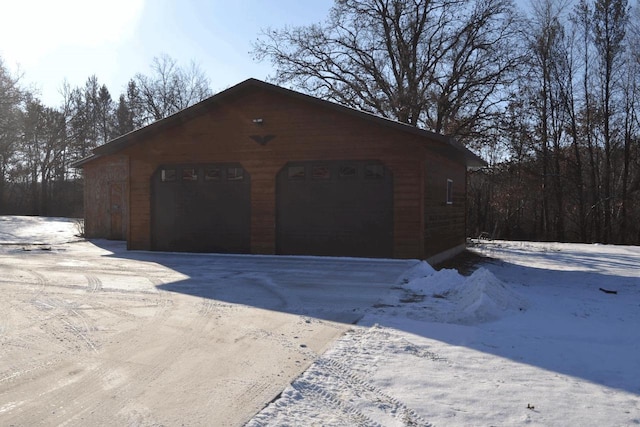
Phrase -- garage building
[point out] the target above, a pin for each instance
(262, 169)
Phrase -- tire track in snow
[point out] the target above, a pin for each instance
(41, 281)
(80, 389)
(68, 325)
(361, 388)
(64, 327)
(331, 382)
(311, 390)
(78, 332)
(94, 284)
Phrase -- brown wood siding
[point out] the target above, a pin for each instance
(301, 131)
(100, 175)
(140, 203)
(445, 223)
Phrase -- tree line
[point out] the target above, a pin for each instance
(548, 94)
(38, 142)
(567, 145)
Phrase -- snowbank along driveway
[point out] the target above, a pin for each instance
(91, 334)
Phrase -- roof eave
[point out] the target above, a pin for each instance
(122, 142)
(79, 164)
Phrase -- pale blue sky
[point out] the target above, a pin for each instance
(53, 41)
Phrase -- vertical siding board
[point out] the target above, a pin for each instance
(140, 205)
(263, 196)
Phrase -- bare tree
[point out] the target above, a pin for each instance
(583, 27)
(42, 150)
(11, 99)
(441, 64)
(548, 71)
(124, 117)
(105, 115)
(37, 142)
(575, 134)
(167, 90)
(630, 192)
(609, 29)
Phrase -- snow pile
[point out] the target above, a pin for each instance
(447, 296)
(437, 283)
(421, 269)
(484, 297)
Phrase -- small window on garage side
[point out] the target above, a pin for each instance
(320, 172)
(374, 171)
(212, 173)
(449, 191)
(235, 174)
(348, 171)
(168, 175)
(295, 172)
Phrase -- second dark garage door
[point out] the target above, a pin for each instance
(338, 208)
(201, 208)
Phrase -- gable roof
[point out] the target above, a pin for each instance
(449, 144)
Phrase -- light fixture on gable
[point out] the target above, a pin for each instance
(258, 121)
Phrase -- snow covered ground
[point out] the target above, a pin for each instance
(92, 334)
(529, 338)
(36, 230)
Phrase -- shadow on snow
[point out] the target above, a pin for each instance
(581, 342)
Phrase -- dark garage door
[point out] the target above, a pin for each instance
(201, 208)
(342, 208)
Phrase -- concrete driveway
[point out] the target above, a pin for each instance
(94, 335)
